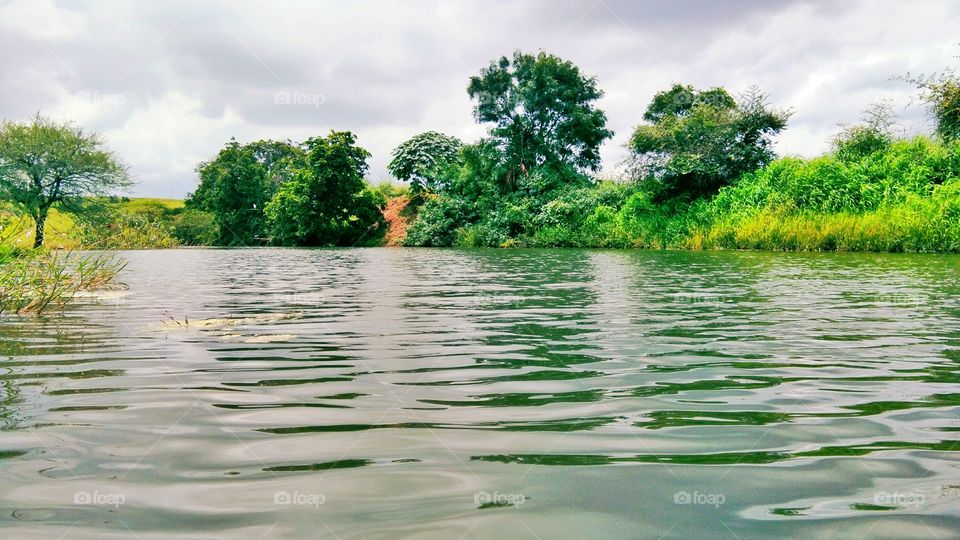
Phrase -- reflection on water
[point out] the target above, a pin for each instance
(429, 393)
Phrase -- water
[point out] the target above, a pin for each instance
(381, 393)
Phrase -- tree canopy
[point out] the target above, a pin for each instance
(941, 91)
(543, 113)
(695, 142)
(327, 201)
(45, 164)
(237, 185)
(421, 160)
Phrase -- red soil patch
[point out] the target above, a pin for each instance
(397, 220)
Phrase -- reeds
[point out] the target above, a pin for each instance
(33, 283)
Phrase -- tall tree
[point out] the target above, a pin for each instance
(45, 165)
(695, 142)
(327, 203)
(237, 185)
(543, 113)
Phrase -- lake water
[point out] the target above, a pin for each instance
(382, 393)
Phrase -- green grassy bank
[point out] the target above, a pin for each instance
(903, 197)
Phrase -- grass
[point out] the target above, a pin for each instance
(33, 282)
(62, 231)
(904, 197)
(37, 282)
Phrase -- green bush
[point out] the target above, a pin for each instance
(195, 228)
(122, 229)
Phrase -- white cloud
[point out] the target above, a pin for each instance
(170, 83)
(165, 140)
(41, 19)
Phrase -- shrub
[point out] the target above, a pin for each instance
(195, 228)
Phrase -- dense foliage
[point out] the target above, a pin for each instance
(422, 160)
(542, 113)
(327, 201)
(544, 137)
(144, 224)
(905, 197)
(236, 186)
(706, 177)
(287, 194)
(46, 165)
(696, 142)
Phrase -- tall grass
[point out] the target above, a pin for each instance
(38, 281)
(902, 198)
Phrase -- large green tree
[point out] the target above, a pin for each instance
(543, 114)
(327, 202)
(45, 165)
(237, 185)
(697, 141)
(423, 159)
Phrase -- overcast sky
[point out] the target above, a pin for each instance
(169, 82)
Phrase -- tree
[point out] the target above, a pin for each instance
(327, 201)
(874, 134)
(941, 91)
(237, 185)
(44, 165)
(543, 114)
(695, 142)
(421, 159)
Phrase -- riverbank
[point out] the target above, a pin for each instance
(128, 223)
(901, 198)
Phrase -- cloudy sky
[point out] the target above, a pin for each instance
(168, 82)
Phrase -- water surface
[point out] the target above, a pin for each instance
(382, 393)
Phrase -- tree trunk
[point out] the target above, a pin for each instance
(38, 236)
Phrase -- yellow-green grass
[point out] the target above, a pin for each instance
(61, 227)
(135, 205)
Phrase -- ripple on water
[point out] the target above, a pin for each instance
(383, 393)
